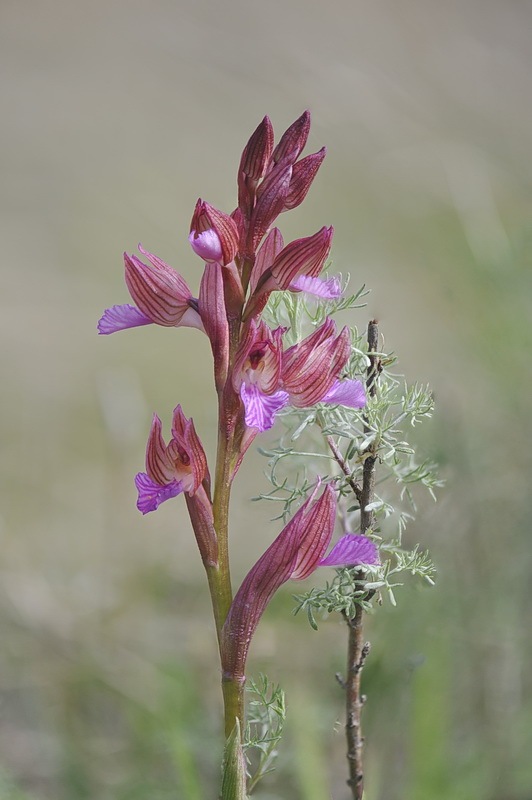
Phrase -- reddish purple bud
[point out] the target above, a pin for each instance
(293, 139)
(271, 196)
(311, 367)
(257, 152)
(213, 233)
(303, 174)
(157, 289)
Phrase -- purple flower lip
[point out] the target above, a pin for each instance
(206, 245)
(119, 318)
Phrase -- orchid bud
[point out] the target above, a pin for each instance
(271, 196)
(213, 234)
(293, 139)
(303, 173)
(257, 153)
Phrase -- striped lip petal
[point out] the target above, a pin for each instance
(329, 289)
(260, 408)
(152, 494)
(351, 550)
(120, 318)
(348, 393)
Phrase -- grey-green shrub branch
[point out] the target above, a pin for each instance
(345, 447)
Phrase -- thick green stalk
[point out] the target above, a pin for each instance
(220, 576)
(233, 692)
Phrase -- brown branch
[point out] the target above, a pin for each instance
(357, 649)
(344, 466)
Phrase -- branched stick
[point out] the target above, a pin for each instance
(357, 650)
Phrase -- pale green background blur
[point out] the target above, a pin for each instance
(116, 116)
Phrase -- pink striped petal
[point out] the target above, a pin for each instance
(119, 318)
(350, 550)
(152, 494)
(260, 408)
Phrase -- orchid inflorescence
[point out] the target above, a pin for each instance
(256, 376)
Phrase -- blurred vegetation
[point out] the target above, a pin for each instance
(117, 116)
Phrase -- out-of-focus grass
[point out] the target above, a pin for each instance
(108, 670)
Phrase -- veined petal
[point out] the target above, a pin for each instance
(350, 393)
(350, 550)
(188, 449)
(266, 255)
(260, 409)
(157, 289)
(317, 525)
(301, 257)
(309, 379)
(119, 318)
(158, 465)
(151, 494)
(329, 289)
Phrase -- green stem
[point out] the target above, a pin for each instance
(233, 692)
(220, 575)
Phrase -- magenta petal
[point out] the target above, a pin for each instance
(327, 290)
(206, 245)
(350, 550)
(119, 318)
(261, 408)
(346, 393)
(152, 494)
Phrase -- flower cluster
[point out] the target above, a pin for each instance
(245, 260)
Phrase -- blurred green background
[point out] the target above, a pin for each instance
(116, 116)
